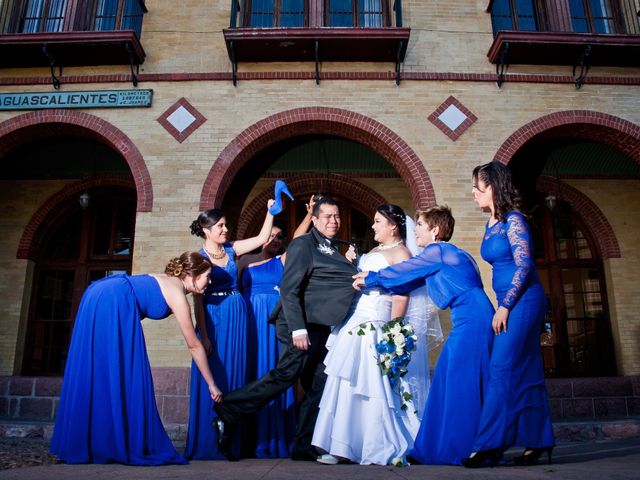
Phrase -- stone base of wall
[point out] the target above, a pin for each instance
(36, 398)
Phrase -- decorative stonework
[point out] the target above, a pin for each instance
(322, 121)
(181, 119)
(597, 126)
(452, 118)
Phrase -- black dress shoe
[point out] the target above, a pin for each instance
(413, 460)
(483, 458)
(531, 456)
(224, 433)
(303, 456)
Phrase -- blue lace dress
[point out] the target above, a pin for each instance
(275, 422)
(226, 323)
(452, 413)
(516, 408)
(107, 411)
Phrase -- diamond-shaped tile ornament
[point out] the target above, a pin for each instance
(452, 118)
(181, 119)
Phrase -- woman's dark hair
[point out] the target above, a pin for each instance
(189, 263)
(506, 196)
(206, 219)
(438, 216)
(396, 216)
(320, 200)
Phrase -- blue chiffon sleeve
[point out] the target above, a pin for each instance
(519, 238)
(406, 276)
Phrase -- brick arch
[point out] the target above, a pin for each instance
(58, 202)
(601, 127)
(362, 197)
(37, 125)
(589, 213)
(319, 121)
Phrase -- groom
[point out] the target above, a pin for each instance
(315, 293)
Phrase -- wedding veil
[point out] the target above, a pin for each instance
(422, 314)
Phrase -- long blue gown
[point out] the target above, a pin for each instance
(275, 422)
(516, 407)
(107, 411)
(226, 323)
(452, 413)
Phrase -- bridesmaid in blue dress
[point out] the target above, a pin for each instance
(516, 407)
(107, 411)
(261, 275)
(275, 422)
(221, 315)
(452, 413)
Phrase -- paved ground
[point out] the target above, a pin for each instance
(614, 459)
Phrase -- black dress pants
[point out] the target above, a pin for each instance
(292, 364)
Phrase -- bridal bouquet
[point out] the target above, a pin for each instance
(394, 350)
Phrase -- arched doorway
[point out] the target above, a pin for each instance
(69, 244)
(573, 236)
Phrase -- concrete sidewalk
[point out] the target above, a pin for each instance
(619, 459)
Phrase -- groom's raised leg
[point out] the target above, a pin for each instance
(244, 401)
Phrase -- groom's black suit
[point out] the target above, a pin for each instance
(315, 293)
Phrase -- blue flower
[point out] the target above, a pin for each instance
(410, 344)
(382, 346)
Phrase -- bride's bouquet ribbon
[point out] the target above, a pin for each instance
(280, 188)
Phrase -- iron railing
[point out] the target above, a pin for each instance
(40, 16)
(621, 17)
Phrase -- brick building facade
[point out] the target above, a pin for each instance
(218, 133)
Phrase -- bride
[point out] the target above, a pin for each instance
(362, 417)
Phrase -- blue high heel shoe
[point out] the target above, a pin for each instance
(280, 188)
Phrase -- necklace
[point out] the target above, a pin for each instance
(382, 246)
(215, 256)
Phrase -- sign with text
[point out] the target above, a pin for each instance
(84, 99)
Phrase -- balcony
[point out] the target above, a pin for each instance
(580, 33)
(316, 30)
(48, 33)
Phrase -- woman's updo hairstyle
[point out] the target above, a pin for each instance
(396, 216)
(206, 219)
(189, 263)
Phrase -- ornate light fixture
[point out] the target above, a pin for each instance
(84, 200)
(551, 200)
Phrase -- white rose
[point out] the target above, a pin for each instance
(400, 351)
(399, 340)
(408, 328)
(395, 329)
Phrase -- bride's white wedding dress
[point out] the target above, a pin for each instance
(360, 414)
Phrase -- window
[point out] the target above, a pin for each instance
(356, 13)
(580, 16)
(514, 15)
(592, 16)
(42, 16)
(576, 338)
(38, 16)
(276, 13)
